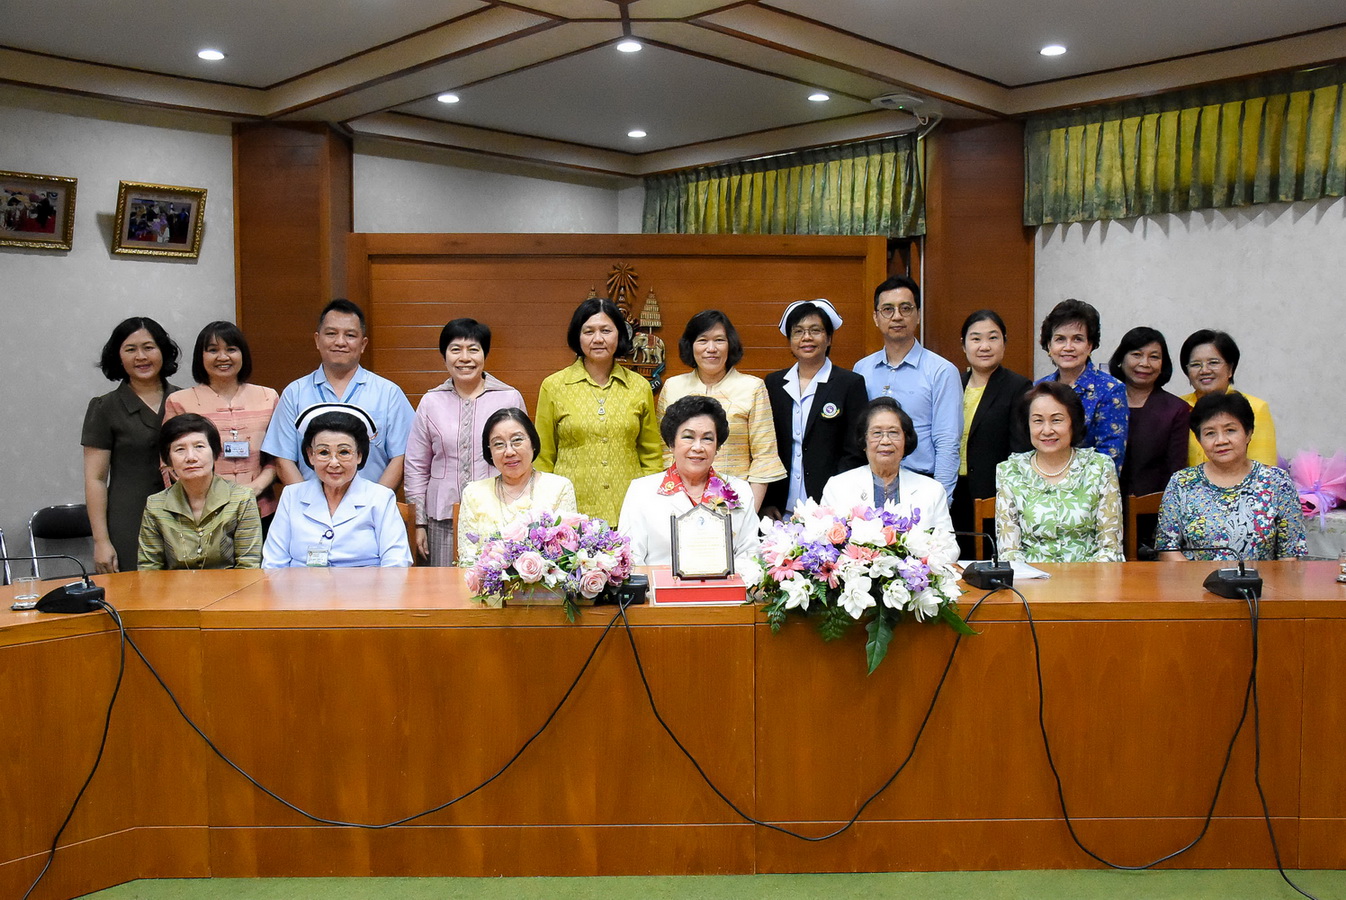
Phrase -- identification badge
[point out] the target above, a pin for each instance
(237, 449)
(830, 411)
(317, 556)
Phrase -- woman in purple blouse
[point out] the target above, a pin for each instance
(1156, 444)
(444, 450)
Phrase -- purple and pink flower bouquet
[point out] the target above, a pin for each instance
(568, 553)
(863, 565)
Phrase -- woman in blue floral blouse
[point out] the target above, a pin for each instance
(1070, 333)
(1244, 507)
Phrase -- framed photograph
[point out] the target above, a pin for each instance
(36, 211)
(159, 220)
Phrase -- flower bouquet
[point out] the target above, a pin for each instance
(871, 565)
(567, 552)
(1320, 481)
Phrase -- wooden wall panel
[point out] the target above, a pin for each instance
(527, 286)
(292, 213)
(978, 254)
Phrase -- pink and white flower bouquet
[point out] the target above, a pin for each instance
(567, 552)
(864, 564)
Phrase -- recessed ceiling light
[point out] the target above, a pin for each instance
(819, 97)
(212, 55)
(447, 98)
(629, 46)
(1052, 50)
(637, 133)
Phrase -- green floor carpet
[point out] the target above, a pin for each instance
(1161, 885)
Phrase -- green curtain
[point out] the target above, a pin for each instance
(873, 187)
(1274, 138)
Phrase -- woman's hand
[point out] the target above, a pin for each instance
(422, 542)
(104, 557)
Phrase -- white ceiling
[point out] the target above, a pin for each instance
(541, 79)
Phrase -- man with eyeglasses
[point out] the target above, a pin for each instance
(341, 340)
(925, 384)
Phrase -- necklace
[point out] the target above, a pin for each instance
(503, 496)
(602, 399)
(1059, 471)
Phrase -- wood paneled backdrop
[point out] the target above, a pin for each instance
(525, 287)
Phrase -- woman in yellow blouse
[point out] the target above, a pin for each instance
(1209, 358)
(711, 346)
(595, 418)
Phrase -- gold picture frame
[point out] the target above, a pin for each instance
(37, 211)
(159, 220)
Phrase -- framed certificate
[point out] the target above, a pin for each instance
(703, 544)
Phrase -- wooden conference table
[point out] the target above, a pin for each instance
(367, 695)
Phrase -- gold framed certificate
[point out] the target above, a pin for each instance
(703, 544)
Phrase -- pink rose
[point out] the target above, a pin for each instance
(474, 580)
(592, 582)
(530, 566)
(836, 532)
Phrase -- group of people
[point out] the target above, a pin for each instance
(193, 478)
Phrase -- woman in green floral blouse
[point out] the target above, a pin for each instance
(1059, 502)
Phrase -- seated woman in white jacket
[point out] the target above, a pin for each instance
(694, 428)
(886, 434)
(336, 518)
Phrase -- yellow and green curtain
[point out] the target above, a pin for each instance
(1274, 138)
(871, 187)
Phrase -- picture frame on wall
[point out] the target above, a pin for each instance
(36, 211)
(159, 220)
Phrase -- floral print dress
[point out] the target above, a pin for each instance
(1258, 518)
(1078, 519)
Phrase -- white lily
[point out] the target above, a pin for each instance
(896, 595)
(855, 597)
(798, 592)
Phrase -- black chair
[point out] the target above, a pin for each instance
(65, 527)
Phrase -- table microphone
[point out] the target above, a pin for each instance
(76, 597)
(1230, 583)
(987, 576)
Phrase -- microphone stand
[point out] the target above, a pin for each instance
(76, 597)
(987, 576)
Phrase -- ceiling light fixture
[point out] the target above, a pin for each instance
(447, 98)
(1052, 50)
(629, 46)
(819, 97)
(637, 133)
(212, 55)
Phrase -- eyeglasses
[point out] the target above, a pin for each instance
(515, 443)
(877, 437)
(816, 331)
(343, 454)
(1212, 365)
(906, 309)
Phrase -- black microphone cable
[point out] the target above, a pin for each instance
(126, 640)
(102, 745)
(915, 741)
(1249, 699)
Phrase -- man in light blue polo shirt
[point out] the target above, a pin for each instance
(341, 339)
(927, 385)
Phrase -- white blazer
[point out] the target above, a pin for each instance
(366, 529)
(645, 515)
(855, 487)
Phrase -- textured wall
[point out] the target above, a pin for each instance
(1273, 276)
(406, 188)
(58, 308)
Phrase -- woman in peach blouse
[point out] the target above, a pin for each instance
(221, 365)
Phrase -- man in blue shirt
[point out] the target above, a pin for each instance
(341, 341)
(927, 385)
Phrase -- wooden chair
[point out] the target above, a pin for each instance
(409, 520)
(1136, 506)
(982, 510)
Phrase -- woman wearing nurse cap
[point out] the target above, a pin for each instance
(816, 406)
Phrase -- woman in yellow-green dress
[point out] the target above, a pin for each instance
(595, 418)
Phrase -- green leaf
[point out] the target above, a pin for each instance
(876, 648)
(834, 623)
(949, 613)
(571, 608)
(775, 616)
